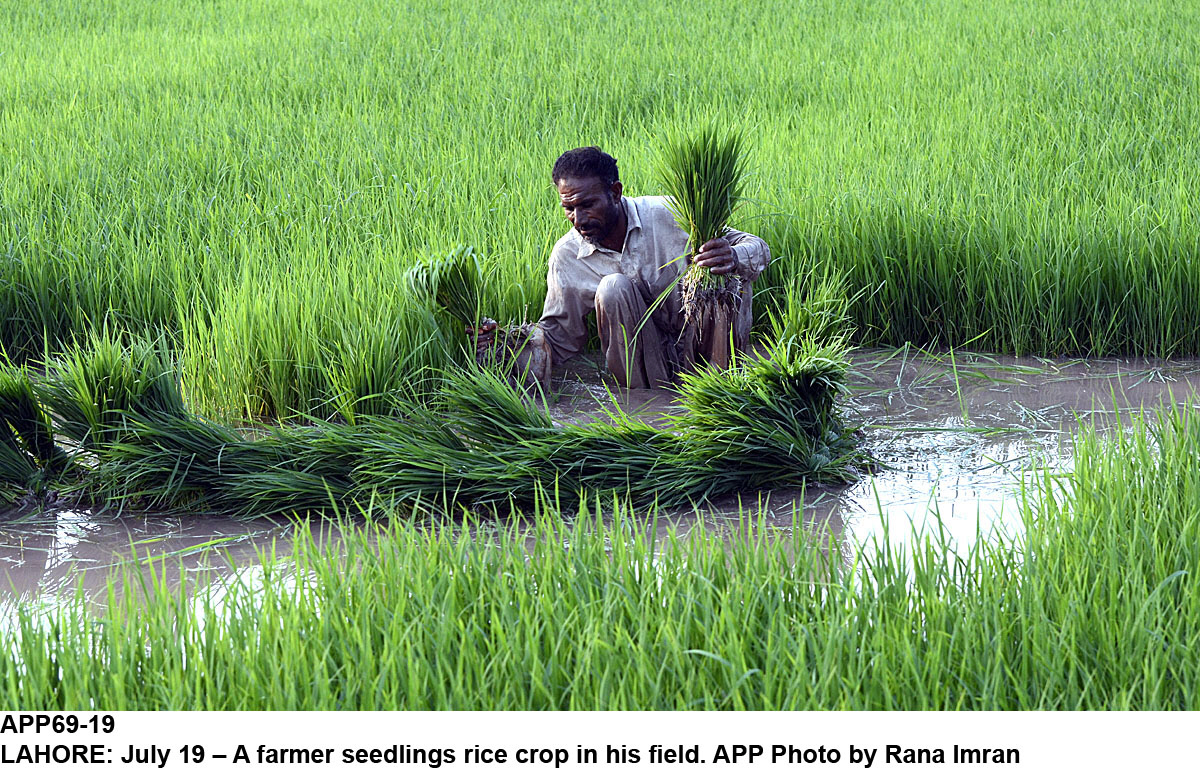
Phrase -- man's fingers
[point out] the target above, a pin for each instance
(484, 334)
(720, 262)
(485, 327)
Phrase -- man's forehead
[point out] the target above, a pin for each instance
(580, 188)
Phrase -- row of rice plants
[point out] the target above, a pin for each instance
(772, 420)
(252, 184)
(1096, 607)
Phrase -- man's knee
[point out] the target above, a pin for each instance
(613, 288)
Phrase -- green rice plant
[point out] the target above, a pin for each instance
(311, 341)
(373, 370)
(622, 455)
(506, 447)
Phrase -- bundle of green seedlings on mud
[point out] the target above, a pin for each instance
(485, 443)
(505, 448)
(703, 176)
(764, 417)
(771, 421)
(29, 458)
(620, 453)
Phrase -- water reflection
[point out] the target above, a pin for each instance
(57, 552)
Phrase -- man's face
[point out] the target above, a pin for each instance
(592, 206)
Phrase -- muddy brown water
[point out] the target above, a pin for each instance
(954, 434)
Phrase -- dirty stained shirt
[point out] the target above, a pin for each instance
(650, 258)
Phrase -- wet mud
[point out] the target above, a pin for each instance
(954, 436)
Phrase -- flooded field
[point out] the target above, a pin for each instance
(957, 433)
(953, 435)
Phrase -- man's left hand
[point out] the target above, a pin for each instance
(717, 256)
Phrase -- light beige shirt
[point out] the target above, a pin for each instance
(651, 258)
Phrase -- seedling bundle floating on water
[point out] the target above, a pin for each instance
(704, 175)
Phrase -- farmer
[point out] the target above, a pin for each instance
(620, 256)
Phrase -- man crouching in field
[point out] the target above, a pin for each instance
(620, 256)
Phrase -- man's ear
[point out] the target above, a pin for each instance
(616, 189)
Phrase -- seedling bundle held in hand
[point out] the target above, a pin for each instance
(703, 176)
(454, 281)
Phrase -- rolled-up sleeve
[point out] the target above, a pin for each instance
(563, 320)
(752, 253)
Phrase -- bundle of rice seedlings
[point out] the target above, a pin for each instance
(432, 462)
(771, 421)
(173, 462)
(92, 387)
(24, 423)
(489, 411)
(775, 420)
(816, 308)
(453, 281)
(184, 462)
(626, 456)
(703, 176)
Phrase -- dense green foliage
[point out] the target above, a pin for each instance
(252, 178)
(1097, 607)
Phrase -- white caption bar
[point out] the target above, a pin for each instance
(596, 743)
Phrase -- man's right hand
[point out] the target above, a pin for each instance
(485, 335)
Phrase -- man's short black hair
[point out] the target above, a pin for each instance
(589, 162)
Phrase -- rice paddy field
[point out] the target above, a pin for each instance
(207, 214)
